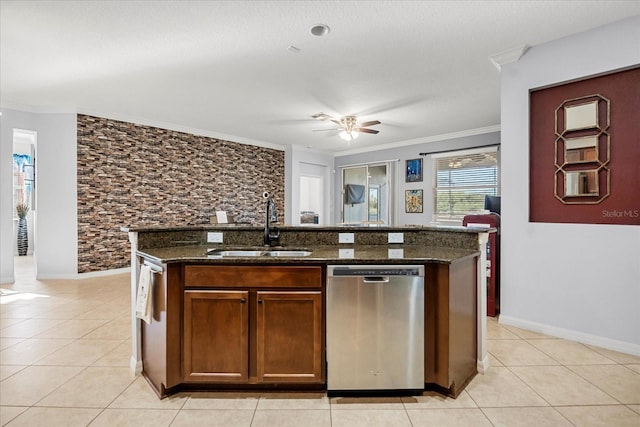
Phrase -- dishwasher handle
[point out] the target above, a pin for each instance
(375, 279)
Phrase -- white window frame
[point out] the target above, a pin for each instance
(453, 154)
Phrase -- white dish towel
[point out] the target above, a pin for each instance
(144, 300)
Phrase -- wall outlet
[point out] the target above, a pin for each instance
(346, 238)
(346, 253)
(214, 237)
(396, 238)
(396, 253)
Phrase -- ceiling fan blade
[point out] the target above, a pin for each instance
(323, 130)
(393, 105)
(337, 122)
(363, 130)
(371, 123)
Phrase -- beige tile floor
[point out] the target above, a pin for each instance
(64, 355)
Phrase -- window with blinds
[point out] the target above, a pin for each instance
(462, 180)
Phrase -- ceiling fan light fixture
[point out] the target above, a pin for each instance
(349, 135)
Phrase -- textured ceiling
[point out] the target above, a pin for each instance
(222, 68)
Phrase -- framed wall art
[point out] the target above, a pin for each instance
(413, 201)
(413, 170)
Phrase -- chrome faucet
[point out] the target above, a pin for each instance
(271, 235)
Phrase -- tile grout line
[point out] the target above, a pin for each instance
(570, 370)
(595, 385)
(529, 386)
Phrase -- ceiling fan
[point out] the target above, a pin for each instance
(349, 128)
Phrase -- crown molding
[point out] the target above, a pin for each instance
(37, 110)
(508, 56)
(241, 140)
(425, 140)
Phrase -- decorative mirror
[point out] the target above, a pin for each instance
(582, 150)
(581, 183)
(582, 116)
(579, 150)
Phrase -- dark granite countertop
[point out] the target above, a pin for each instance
(339, 228)
(343, 254)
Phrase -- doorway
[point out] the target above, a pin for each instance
(366, 195)
(312, 195)
(24, 196)
(311, 190)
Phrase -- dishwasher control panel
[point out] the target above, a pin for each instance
(417, 270)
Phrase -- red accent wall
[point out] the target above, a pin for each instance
(622, 206)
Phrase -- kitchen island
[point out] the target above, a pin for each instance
(274, 307)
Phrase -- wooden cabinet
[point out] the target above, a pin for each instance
(216, 336)
(253, 325)
(262, 327)
(289, 336)
(158, 344)
(451, 317)
(253, 276)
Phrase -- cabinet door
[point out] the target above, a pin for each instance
(216, 336)
(290, 337)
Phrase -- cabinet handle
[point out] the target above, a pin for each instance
(243, 300)
(259, 301)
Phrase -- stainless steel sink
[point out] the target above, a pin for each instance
(288, 253)
(236, 252)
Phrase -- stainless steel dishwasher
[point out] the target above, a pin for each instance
(375, 328)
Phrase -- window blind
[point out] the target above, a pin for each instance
(461, 182)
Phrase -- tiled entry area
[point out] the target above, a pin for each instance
(64, 356)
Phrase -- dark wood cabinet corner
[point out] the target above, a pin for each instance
(224, 327)
(451, 325)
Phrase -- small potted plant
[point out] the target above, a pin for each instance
(23, 236)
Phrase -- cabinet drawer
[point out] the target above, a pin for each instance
(246, 276)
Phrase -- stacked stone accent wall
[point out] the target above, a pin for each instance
(134, 175)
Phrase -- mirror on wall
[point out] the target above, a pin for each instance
(582, 150)
(581, 183)
(581, 116)
(579, 150)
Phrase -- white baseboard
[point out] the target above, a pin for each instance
(598, 341)
(135, 366)
(79, 276)
(483, 365)
(104, 273)
(56, 276)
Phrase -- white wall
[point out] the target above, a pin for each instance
(576, 281)
(57, 233)
(56, 219)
